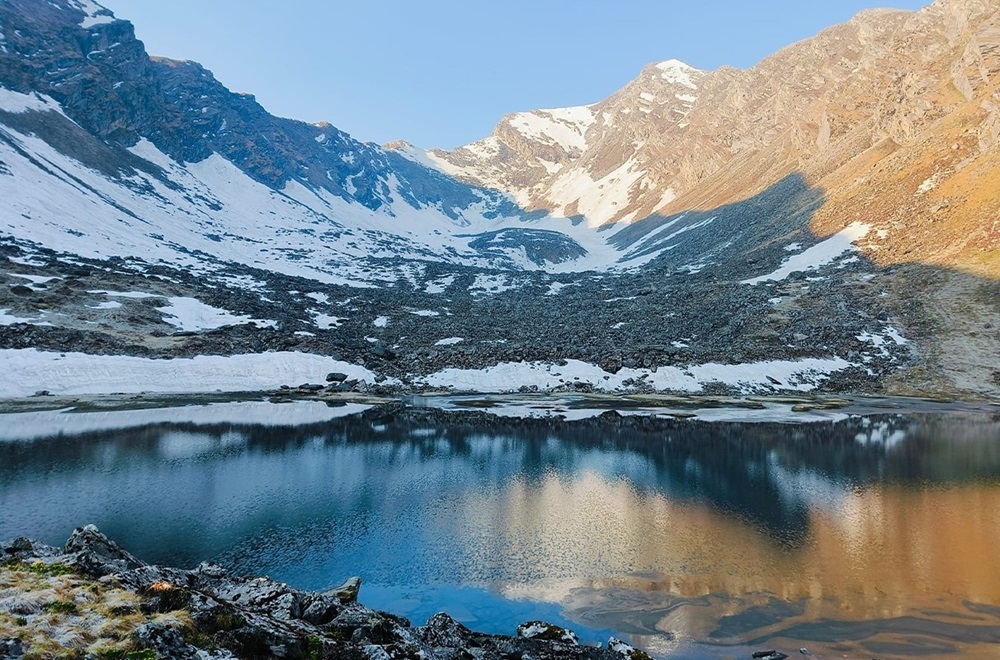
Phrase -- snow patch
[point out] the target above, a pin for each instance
(95, 14)
(821, 254)
(556, 287)
(30, 370)
(34, 279)
(668, 196)
(16, 102)
(439, 285)
(678, 73)
(321, 298)
(190, 314)
(126, 294)
(800, 375)
(565, 127)
(326, 322)
(884, 339)
(107, 304)
(491, 284)
(417, 155)
(598, 200)
(930, 183)
(450, 341)
(6, 318)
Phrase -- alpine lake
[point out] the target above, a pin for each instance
(692, 527)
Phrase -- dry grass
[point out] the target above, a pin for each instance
(57, 614)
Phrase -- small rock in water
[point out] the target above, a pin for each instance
(769, 655)
(347, 592)
(804, 651)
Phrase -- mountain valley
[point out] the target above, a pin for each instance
(828, 220)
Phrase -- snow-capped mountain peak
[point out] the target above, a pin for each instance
(679, 73)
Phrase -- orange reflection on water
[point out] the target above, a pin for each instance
(643, 561)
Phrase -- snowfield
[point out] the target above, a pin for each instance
(28, 371)
(189, 314)
(821, 254)
(799, 375)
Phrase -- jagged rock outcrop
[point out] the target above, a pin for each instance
(239, 617)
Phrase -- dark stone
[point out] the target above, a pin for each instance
(321, 610)
(443, 631)
(166, 642)
(20, 544)
(383, 352)
(11, 648)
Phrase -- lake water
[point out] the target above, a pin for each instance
(860, 534)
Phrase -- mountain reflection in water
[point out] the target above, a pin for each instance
(874, 534)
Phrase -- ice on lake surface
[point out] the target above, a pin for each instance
(860, 534)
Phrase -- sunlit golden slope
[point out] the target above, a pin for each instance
(895, 115)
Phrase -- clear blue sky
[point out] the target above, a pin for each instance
(440, 73)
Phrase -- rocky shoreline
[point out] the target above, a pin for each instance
(92, 599)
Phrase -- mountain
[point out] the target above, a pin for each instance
(826, 219)
(894, 116)
(602, 162)
(911, 93)
(165, 138)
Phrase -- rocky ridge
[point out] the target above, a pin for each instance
(887, 113)
(209, 613)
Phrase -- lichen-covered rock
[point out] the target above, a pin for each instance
(165, 641)
(546, 631)
(626, 651)
(96, 555)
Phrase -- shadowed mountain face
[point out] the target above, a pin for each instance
(801, 210)
(99, 73)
